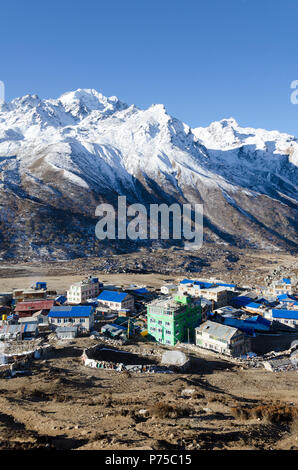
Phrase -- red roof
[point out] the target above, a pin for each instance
(34, 305)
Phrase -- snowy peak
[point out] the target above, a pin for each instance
(227, 135)
(81, 102)
(25, 102)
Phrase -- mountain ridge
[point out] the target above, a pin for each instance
(71, 153)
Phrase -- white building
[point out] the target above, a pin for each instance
(83, 290)
(116, 300)
(282, 286)
(221, 338)
(169, 289)
(67, 316)
(285, 317)
(218, 293)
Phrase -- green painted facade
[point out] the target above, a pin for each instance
(171, 322)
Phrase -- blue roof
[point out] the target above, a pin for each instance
(253, 305)
(68, 311)
(286, 280)
(282, 313)
(201, 284)
(187, 281)
(260, 320)
(223, 284)
(242, 300)
(112, 296)
(61, 299)
(286, 298)
(41, 283)
(263, 301)
(143, 290)
(206, 285)
(250, 325)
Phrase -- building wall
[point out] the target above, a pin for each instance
(80, 293)
(288, 322)
(167, 290)
(284, 321)
(126, 304)
(169, 329)
(236, 346)
(219, 296)
(84, 322)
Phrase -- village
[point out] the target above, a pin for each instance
(180, 363)
(256, 326)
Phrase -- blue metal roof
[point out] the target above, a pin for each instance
(41, 284)
(250, 325)
(61, 299)
(201, 284)
(187, 281)
(223, 284)
(282, 313)
(286, 280)
(242, 300)
(68, 312)
(253, 305)
(143, 290)
(112, 296)
(286, 298)
(260, 320)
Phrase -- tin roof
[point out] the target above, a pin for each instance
(68, 311)
(34, 305)
(14, 329)
(217, 330)
(253, 305)
(287, 314)
(112, 296)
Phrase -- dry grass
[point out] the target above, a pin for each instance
(218, 398)
(273, 413)
(35, 393)
(164, 410)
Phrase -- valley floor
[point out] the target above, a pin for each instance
(61, 404)
(153, 268)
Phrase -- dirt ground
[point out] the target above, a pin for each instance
(248, 268)
(62, 404)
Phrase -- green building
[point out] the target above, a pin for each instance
(173, 319)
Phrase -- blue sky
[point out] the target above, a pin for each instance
(204, 60)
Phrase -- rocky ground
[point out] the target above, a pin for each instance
(60, 404)
(153, 268)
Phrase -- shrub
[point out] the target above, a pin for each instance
(272, 413)
(164, 410)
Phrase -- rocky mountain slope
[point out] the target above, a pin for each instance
(59, 158)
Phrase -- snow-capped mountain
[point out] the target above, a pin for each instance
(60, 157)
